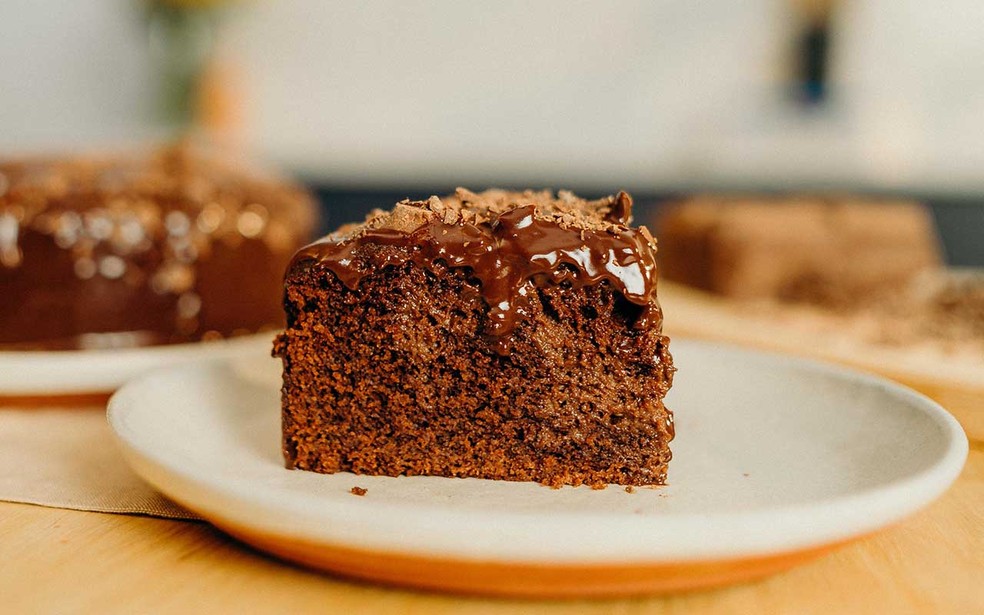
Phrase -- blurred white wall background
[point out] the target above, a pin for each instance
(912, 77)
(643, 94)
(71, 73)
(523, 90)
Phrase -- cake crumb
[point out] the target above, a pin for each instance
(358, 491)
(629, 489)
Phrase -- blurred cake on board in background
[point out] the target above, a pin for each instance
(178, 244)
(837, 252)
(842, 279)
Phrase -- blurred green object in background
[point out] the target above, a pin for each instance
(181, 37)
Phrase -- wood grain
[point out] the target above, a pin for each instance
(73, 400)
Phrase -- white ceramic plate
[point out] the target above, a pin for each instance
(39, 373)
(775, 461)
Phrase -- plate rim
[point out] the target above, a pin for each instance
(920, 489)
(41, 373)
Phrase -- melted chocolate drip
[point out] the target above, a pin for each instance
(510, 256)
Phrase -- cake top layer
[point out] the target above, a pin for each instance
(122, 203)
(196, 175)
(511, 242)
(568, 211)
(48, 178)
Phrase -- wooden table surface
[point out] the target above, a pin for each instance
(61, 561)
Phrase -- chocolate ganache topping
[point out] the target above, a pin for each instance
(510, 241)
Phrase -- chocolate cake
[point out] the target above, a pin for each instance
(499, 335)
(832, 251)
(176, 245)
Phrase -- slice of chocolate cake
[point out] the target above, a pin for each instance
(499, 335)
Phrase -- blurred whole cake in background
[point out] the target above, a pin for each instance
(174, 245)
(868, 269)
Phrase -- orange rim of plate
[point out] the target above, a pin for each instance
(520, 579)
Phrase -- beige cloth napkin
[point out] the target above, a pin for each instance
(67, 458)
